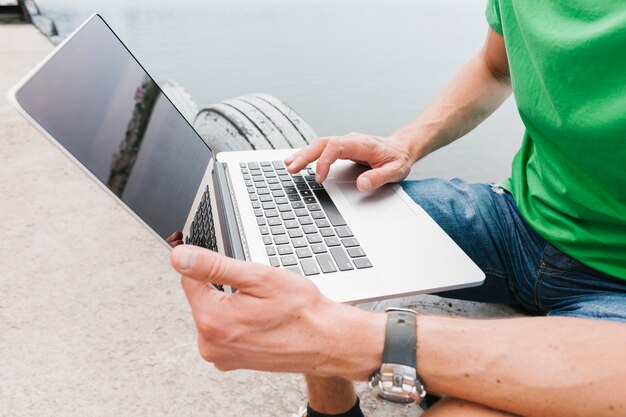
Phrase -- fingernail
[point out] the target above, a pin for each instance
(364, 184)
(318, 179)
(185, 257)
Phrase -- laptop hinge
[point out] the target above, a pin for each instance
(227, 212)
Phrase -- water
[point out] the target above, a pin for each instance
(347, 65)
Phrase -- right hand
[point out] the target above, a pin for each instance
(389, 159)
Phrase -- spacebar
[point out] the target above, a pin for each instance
(336, 219)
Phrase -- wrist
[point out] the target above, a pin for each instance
(352, 342)
(415, 139)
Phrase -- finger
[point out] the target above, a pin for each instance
(377, 177)
(174, 236)
(330, 154)
(210, 267)
(305, 156)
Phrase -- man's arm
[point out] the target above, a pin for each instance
(479, 88)
(278, 321)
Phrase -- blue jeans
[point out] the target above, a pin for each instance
(520, 266)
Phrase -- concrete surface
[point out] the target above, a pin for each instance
(92, 319)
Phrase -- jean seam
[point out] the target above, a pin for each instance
(539, 272)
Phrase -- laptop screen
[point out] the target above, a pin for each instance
(95, 99)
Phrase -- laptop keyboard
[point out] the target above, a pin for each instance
(202, 229)
(301, 227)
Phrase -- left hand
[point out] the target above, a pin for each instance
(276, 321)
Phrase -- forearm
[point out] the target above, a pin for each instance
(476, 92)
(544, 366)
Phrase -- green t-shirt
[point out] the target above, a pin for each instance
(568, 70)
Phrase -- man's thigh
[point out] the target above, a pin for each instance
(483, 220)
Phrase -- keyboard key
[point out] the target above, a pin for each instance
(267, 169)
(278, 193)
(271, 250)
(356, 252)
(251, 190)
(309, 200)
(294, 269)
(343, 231)
(287, 215)
(293, 233)
(281, 240)
(270, 174)
(322, 223)
(336, 219)
(247, 177)
(349, 242)
(362, 263)
(318, 215)
(306, 193)
(277, 230)
(309, 228)
(293, 197)
(310, 170)
(309, 266)
(281, 200)
(256, 173)
(298, 205)
(284, 208)
(318, 248)
(267, 240)
(261, 221)
(256, 204)
(314, 238)
(271, 213)
(273, 181)
(342, 260)
(268, 205)
(332, 241)
(253, 165)
(326, 263)
(262, 190)
(274, 221)
(274, 261)
(302, 186)
(309, 177)
(327, 232)
(292, 224)
(264, 230)
(258, 212)
(315, 186)
(265, 163)
(305, 220)
(253, 197)
(299, 242)
(303, 253)
(285, 250)
(301, 212)
(288, 260)
(284, 178)
(242, 165)
(265, 198)
(278, 164)
(298, 179)
(291, 190)
(249, 183)
(314, 207)
(275, 187)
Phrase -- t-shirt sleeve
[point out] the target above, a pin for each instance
(493, 16)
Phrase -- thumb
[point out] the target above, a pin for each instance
(375, 178)
(207, 266)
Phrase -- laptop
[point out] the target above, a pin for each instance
(94, 100)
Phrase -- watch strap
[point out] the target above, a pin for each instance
(400, 337)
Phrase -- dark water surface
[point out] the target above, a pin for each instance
(344, 65)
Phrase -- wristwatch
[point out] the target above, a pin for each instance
(397, 380)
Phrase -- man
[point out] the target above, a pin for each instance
(551, 238)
